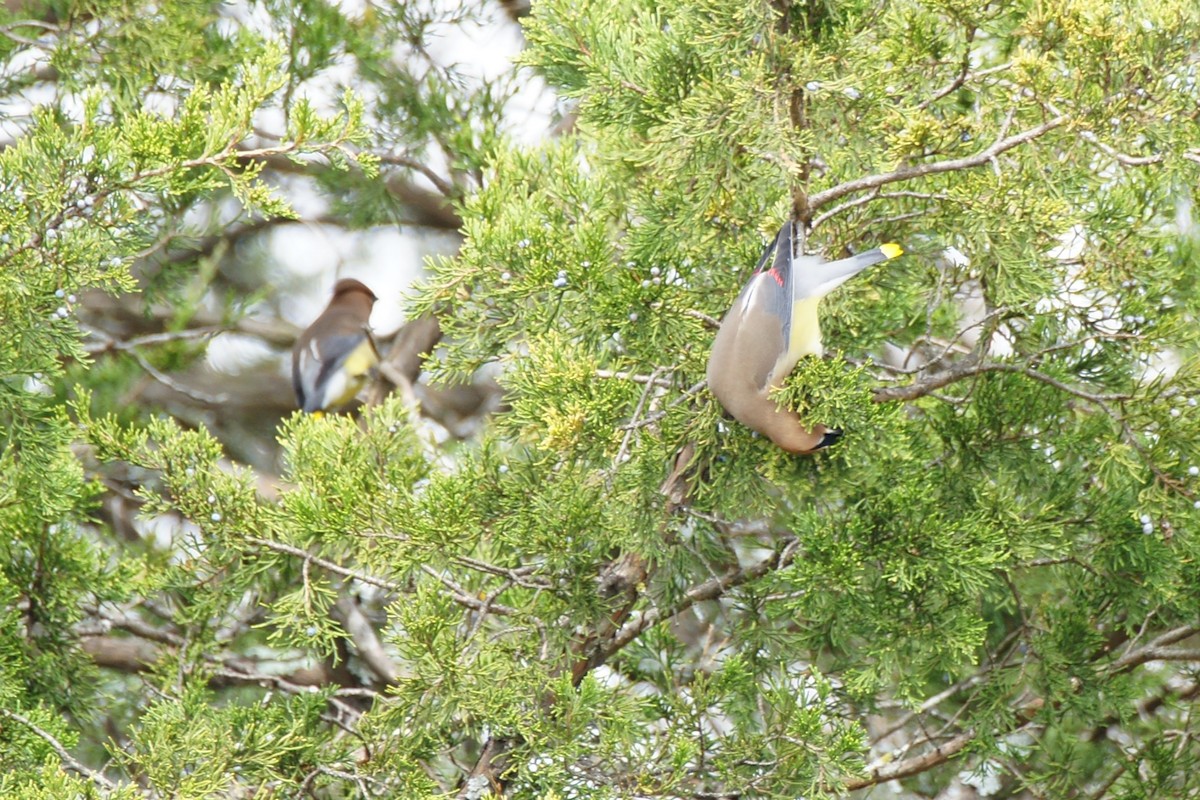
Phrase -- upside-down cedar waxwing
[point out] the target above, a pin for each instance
(772, 325)
(332, 357)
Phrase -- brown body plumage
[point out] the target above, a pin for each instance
(772, 325)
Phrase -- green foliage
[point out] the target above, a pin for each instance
(614, 590)
(195, 749)
(927, 538)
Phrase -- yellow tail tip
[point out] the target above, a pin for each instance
(891, 249)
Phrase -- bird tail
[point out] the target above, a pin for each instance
(837, 272)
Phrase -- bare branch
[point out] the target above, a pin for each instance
(133, 654)
(107, 343)
(711, 322)
(915, 765)
(963, 77)
(971, 368)
(875, 195)
(440, 183)
(1158, 649)
(520, 576)
(920, 170)
(127, 653)
(650, 382)
(650, 419)
(126, 622)
(1118, 156)
(484, 777)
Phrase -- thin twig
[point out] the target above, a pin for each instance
(519, 575)
(711, 322)
(171, 383)
(972, 367)
(68, 760)
(108, 343)
(335, 568)
(465, 598)
(1118, 156)
(915, 765)
(708, 590)
(875, 195)
(653, 380)
(650, 419)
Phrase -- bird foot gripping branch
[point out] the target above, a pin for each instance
(773, 324)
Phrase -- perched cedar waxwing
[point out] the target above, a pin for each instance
(332, 357)
(772, 325)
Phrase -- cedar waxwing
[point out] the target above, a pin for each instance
(772, 325)
(332, 357)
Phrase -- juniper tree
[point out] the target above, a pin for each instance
(611, 590)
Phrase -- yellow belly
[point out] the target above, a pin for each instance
(806, 330)
(343, 387)
(361, 359)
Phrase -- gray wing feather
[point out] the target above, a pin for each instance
(316, 361)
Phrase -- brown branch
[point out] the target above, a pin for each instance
(127, 313)
(971, 368)
(635, 378)
(119, 619)
(1023, 714)
(915, 765)
(132, 654)
(1121, 158)
(1158, 649)
(126, 654)
(520, 576)
(428, 208)
(963, 76)
(404, 358)
(485, 777)
(107, 343)
(440, 183)
(709, 322)
(460, 595)
(619, 584)
(654, 417)
(921, 170)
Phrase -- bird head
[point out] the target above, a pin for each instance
(349, 286)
